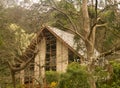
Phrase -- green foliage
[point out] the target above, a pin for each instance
(110, 40)
(91, 11)
(116, 70)
(61, 20)
(66, 5)
(101, 73)
(51, 76)
(108, 16)
(75, 77)
(11, 41)
(114, 82)
(1, 42)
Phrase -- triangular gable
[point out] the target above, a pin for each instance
(69, 41)
(66, 38)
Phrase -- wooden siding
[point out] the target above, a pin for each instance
(62, 57)
(22, 77)
(40, 60)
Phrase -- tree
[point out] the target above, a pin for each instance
(12, 54)
(92, 19)
(82, 19)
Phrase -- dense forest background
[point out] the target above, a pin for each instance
(21, 20)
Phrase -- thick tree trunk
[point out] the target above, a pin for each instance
(89, 41)
(90, 58)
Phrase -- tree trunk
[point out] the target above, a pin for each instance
(90, 58)
(89, 41)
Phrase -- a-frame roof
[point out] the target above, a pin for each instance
(68, 40)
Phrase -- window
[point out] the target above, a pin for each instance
(73, 57)
(50, 61)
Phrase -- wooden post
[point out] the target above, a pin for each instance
(62, 57)
(22, 77)
(39, 71)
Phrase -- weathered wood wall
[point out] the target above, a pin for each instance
(40, 60)
(62, 57)
(22, 77)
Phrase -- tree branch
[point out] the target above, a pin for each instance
(22, 66)
(70, 20)
(75, 32)
(101, 25)
(107, 7)
(93, 26)
(109, 52)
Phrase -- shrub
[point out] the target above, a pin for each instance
(114, 82)
(75, 77)
(52, 76)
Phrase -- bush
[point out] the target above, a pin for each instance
(114, 82)
(52, 76)
(75, 77)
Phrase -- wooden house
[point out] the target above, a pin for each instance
(56, 50)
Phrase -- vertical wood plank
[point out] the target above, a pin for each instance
(62, 57)
(39, 69)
